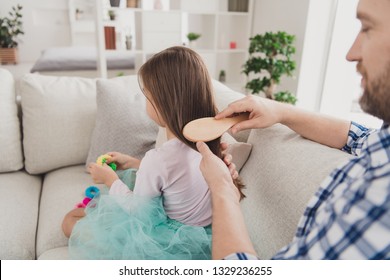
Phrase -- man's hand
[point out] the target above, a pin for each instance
(216, 173)
(262, 112)
(227, 158)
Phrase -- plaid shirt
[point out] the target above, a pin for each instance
(348, 217)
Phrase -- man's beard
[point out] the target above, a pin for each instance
(376, 96)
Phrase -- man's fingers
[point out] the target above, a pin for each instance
(234, 107)
(203, 149)
(225, 113)
(224, 146)
(233, 171)
(228, 159)
(243, 125)
(239, 106)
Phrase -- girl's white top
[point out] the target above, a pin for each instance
(173, 172)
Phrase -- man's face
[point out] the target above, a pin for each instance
(371, 51)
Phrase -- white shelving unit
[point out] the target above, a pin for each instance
(153, 30)
(82, 22)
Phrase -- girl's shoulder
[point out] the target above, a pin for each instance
(171, 152)
(172, 145)
(165, 151)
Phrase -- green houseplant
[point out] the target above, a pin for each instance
(192, 37)
(111, 15)
(270, 58)
(222, 76)
(10, 28)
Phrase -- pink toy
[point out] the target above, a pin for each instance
(90, 193)
(86, 201)
(80, 205)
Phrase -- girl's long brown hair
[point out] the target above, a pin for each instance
(181, 91)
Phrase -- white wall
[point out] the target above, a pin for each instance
(341, 86)
(341, 81)
(46, 24)
(283, 15)
(318, 36)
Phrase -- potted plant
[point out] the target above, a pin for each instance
(10, 28)
(78, 13)
(111, 15)
(192, 37)
(115, 3)
(132, 3)
(222, 76)
(269, 59)
(128, 42)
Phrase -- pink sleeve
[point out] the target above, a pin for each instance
(118, 187)
(151, 175)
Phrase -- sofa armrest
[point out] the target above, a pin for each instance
(19, 203)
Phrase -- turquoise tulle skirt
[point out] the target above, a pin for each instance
(133, 227)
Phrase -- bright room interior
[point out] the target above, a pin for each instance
(322, 81)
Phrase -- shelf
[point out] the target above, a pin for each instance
(154, 30)
(111, 23)
(207, 13)
(234, 14)
(114, 9)
(244, 51)
(127, 51)
(199, 50)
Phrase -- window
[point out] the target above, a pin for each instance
(328, 82)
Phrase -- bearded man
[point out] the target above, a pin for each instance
(349, 216)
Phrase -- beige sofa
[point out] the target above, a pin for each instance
(45, 144)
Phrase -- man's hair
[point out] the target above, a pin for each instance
(181, 90)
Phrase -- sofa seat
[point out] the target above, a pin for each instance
(60, 253)
(19, 204)
(62, 189)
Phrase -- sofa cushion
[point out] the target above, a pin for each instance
(10, 140)
(60, 253)
(281, 175)
(223, 97)
(238, 150)
(62, 189)
(58, 119)
(122, 124)
(19, 202)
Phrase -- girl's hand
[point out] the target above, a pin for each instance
(123, 161)
(102, 174)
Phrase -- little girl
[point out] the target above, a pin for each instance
(168, 215)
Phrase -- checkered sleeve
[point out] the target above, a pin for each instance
(351, 228)
(357, 135)
(240, 256)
